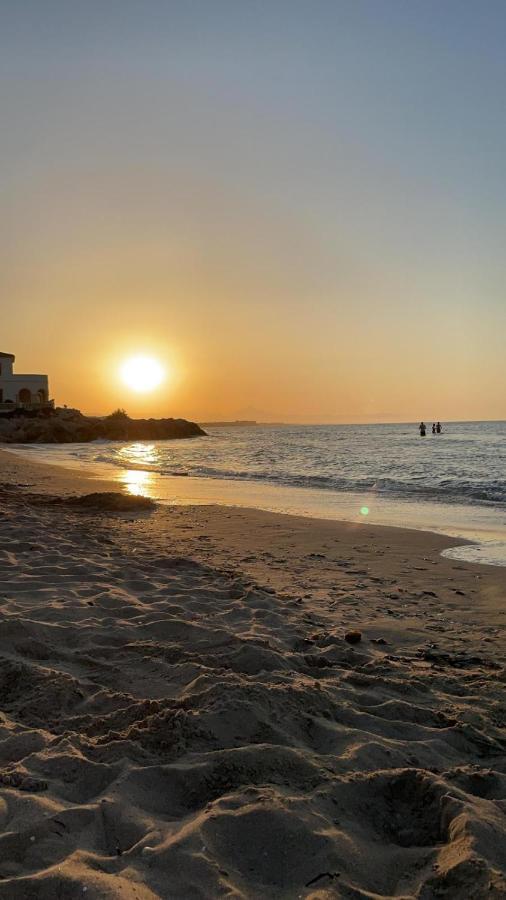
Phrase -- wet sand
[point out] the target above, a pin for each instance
(185, 715)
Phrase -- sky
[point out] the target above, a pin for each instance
(299, 208)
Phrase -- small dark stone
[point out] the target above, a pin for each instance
(353, 637)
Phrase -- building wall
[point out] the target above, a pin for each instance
(11, 385)
(6, 363)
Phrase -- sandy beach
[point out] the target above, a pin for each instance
(202, 701)
(252, 450)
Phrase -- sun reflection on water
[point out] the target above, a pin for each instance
(138, 482)
(140, 460)
(139, 454)
(141, 463)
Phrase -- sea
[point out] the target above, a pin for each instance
(452, 483)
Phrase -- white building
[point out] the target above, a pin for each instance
(28, 391)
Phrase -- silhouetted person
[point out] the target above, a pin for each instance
(433, 428)
(438, 427)
(422, 429)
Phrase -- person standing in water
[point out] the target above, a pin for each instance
(422, 429)
(438, 427)
(433, 428)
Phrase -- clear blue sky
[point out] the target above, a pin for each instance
(301, 204)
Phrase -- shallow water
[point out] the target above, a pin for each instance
(453, 483)
(464, 464)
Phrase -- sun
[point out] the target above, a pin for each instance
(142, 373)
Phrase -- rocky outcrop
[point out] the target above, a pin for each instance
(62, 426)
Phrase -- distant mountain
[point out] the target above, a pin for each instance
(240, 423)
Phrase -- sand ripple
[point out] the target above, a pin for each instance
(171, 730)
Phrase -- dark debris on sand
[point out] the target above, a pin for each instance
(107, 501)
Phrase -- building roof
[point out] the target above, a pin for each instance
(8, 355)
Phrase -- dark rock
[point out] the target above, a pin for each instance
(63, 426)
(353, 637)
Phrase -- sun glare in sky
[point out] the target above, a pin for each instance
(142, 373)
(289, 197)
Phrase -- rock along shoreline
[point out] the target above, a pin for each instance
(63, 426)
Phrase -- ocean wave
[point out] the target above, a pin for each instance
(448, 490)
(466, 466)
(451, 491)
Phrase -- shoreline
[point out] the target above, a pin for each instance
(202, 701)
(483, 542)
(59, 480)
(283, 550)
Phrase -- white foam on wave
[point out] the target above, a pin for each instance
(488, 553)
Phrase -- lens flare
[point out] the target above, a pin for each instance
(364, 510)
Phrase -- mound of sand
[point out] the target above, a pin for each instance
(106, 501)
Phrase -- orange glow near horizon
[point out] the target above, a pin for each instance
(294, 235)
